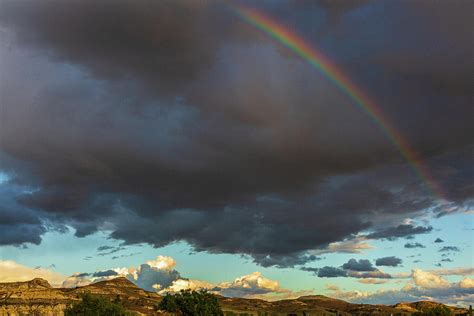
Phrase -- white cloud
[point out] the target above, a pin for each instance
(466, 283)
(152, 275)
(336, 291)
(357, 245)
(253, 285)
(428, 280)
(162, 263)
(159, 275)
(252, 280)
(372, 281)
(155, 272)
(76, 280)
(454, 271)
(184, 284)
(332, 287)
(10, 271)
(123, 271)
(422, 286)
(402, 275)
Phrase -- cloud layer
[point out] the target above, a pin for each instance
(11, 271)
(159, 275)
(176, 121)
(361, 269)
(423, 285)
(391, 261)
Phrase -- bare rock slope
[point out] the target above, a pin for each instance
(37, 297)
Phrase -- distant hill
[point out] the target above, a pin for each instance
(37, 297)
(325, 306)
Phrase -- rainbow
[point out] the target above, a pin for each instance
(316, 59)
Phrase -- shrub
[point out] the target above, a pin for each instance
(94, 305)
(435, 311)
(191, 303)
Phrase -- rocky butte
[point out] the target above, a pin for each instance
(38, 297)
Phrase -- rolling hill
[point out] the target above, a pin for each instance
(38, 297)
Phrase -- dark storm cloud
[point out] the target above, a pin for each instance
(284, 261)
(414, 245)
(438, 240)
(105, 273)
(429, 74)
(310, 269)
(331, 272)
(340, 7)
(162, 43)
(21, 233)
(366, 271)
(173, 121)
(361, 265)
(449, 248)
(103, 248)
(17, 227)
(400, 231)
(270, 238)
(18, 224)
(388, 261)
(108, 250)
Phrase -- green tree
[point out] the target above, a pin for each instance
(439, 310)
(94, 305)
(191, 303)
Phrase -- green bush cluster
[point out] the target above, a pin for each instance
(191, 303)
(95, 305)
(435, 311)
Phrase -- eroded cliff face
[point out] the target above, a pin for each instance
(32, 309)
(37, 297)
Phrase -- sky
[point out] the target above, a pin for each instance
(185, 144)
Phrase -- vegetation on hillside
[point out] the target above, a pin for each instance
(191, 303)
(95, 305)
(439, 310)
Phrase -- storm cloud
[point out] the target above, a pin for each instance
(361, 265)
(391, 261)
(331, 272)
(449, 248)
(176, 121)
(414, 245)
(361, 269)
(106, 273)
(399, 231)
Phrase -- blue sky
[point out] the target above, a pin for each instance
(182, 146)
